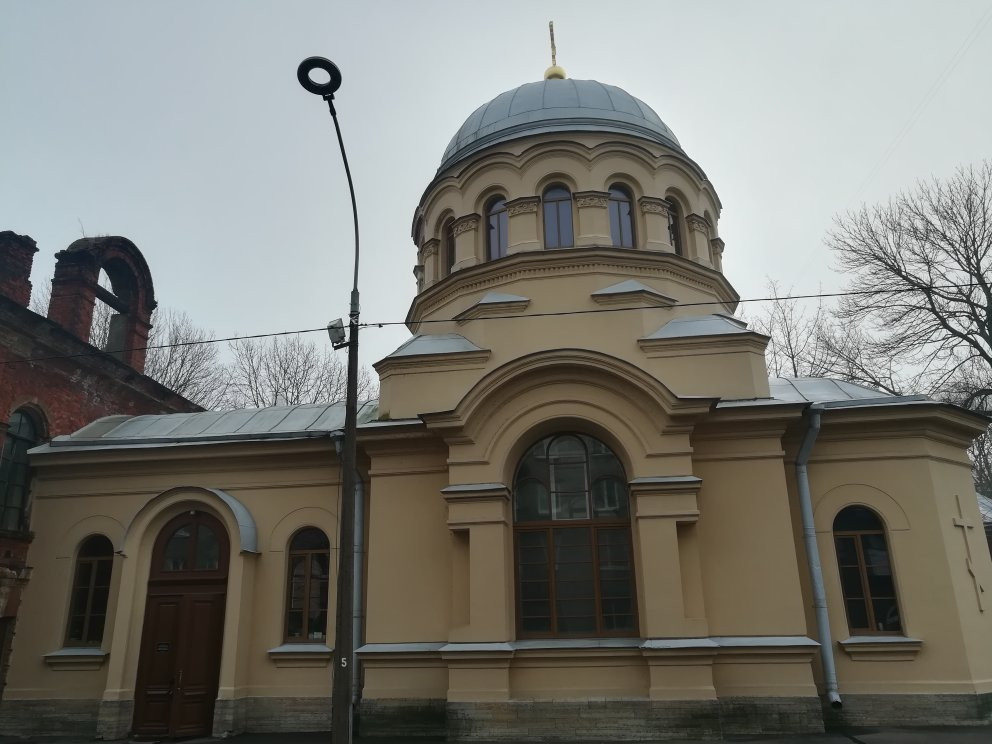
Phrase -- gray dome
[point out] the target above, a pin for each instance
(556, 106)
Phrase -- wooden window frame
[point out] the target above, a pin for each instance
(502, 229)
(614, 202)
(159, 575)
(594, 526)
(553, 205)
(306, 554)
(448, 246)
(867, 598)
(675, 231)
(87, 613)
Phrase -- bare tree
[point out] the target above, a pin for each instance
(289, 370)
(178, 358)
(797, 345)
(921, 266)
(922, 312)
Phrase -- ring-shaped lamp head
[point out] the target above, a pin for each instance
(319, 63)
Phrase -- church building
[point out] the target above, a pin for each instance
(587, 512)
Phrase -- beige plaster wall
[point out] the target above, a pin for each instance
(284, 487)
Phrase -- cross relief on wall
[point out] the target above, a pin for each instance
(966, 527)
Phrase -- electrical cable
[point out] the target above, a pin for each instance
(559, 313)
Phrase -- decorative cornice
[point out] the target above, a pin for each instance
(414, 363)
(591, 199)
(476, 492)
(523, 205)
(494, 274)
(713, 344)
(488, 309)
(430, 248)
(466, 223)
(653, 205)
(698, 223)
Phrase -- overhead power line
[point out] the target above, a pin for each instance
(551, 314)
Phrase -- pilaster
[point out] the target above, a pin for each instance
(655, 213)
(482, 592)
(429, 259)
(465, 231)
(665, 513)
(716, 250)
(593, 226)
(523, 225)
(698, 239)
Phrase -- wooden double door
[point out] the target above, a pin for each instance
(179, 661)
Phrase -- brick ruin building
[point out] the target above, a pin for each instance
(53, 381)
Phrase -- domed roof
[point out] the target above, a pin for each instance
(556, 106)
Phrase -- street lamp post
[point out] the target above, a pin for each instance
(344, 629)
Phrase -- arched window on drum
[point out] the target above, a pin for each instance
(497, 228)
(574, 564)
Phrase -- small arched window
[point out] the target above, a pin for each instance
(15, 475)
(674, 220)
(621, 217)
(575, 571)
(90, 592)
(448, 246)
(558, 231)
(307, 586)
(866, 575)
(498, 228)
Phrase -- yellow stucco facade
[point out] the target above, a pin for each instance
(632, 351)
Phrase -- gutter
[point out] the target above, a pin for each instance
(813, 555)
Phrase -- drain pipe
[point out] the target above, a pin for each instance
(813, 556)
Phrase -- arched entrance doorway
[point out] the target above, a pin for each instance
(179, 662)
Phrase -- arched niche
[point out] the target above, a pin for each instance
(829, 505)
(235, 515)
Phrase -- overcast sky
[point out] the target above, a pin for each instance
(181, 126)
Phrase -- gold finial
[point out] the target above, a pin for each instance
(554, 72)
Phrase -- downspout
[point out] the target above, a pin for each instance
(359, 573)
(813, 556)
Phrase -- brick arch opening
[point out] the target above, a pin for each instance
(130, 297)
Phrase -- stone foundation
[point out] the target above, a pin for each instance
(114, 719)
(910, 710)
(403, 718)
(49, 718)
(270, 715)
(575, 720)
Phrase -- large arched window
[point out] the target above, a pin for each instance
(15, 475)
(674, 233)
(575, 571)
(306, 586)
(558, 218)
(498, 228)
(621, 217)
(448, 246)
(90, 592)
(866, 576)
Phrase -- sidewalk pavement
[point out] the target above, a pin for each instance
(941, 735)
